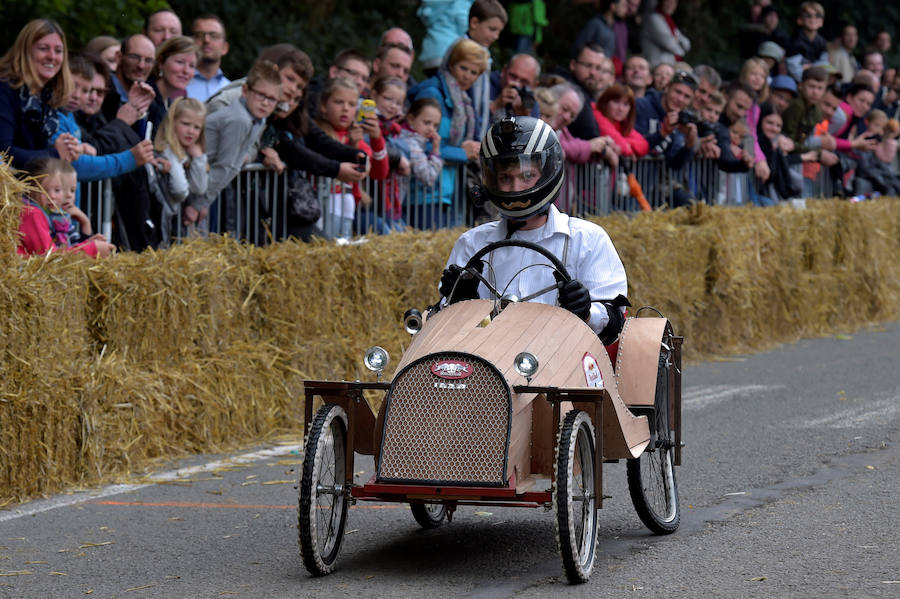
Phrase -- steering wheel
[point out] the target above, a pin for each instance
(555, 263)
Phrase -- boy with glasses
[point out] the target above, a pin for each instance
(230, 133)
(350, 63)
(807, 47)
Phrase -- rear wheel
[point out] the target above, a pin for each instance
(429, 515)
(574, 498)
(651, 476)
(323, 499)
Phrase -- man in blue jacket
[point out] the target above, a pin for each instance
(660, 121)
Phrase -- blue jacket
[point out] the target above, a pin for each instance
(94, 168)
(445, 21)
(22, 138)
(435, 87)
(650, 113)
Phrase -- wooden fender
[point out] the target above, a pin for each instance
(638, 359)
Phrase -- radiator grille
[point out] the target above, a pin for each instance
(446, 431)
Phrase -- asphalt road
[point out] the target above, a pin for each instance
(789, 488)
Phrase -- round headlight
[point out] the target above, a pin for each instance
(376, 359)
(526, 364)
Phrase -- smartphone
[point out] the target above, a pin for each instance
(366, 110)
(361, 160)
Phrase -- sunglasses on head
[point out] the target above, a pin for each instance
(687, 78)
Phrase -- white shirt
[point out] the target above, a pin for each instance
(590, 257)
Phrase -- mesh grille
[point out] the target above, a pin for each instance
(437, 432)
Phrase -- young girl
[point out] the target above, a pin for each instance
(389, 94)
(46, 222)
(755, 73)
(422, 125)
(180, 144)
(337, 117)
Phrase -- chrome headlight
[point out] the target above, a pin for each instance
(376, 359)
(526, 364)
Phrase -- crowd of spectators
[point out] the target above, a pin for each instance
(155, 113)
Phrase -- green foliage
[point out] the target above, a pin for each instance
(323, 27)
(80, 19)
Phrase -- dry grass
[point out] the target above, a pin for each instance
(106, 365)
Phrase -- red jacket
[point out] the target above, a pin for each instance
(378, 160)
(35, 235)
(633, 144)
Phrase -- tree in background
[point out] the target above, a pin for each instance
(323, 27)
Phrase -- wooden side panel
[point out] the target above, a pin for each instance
(636, 364)
(542, 430)
(559, 339)
(520, 436)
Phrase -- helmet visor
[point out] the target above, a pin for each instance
(519, 181)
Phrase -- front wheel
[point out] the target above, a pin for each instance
(323, 500)
(651, 476)
(429, 515)
(574, 497)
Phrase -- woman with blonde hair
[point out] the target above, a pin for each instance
(176, 61)
(34, 83)
(755, 74)
(106, 48)
(463, 64)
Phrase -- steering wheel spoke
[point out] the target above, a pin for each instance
(555, 263)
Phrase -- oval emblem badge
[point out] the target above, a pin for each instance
(451, 369)
(592, 371)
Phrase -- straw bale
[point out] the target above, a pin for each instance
(192, 299)
(11, 190)
(109, 364)
(43, 351)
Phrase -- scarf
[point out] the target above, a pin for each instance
(462, 121)
(671, 23)
(39, 118)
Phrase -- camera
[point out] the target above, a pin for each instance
(704, 128)
(688, 117)
(527, 97)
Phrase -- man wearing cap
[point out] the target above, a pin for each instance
(782, 91)
(657, 120)
(773, 54)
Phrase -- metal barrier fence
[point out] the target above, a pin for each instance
(257, 206)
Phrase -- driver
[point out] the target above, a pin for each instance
(522, 171)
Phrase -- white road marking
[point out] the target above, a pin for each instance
(694, 398)
(853, 417)
(44, 505)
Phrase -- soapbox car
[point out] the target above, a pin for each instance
(504, 403)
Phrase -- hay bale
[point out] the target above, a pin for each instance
(204, 346)
(11, 191)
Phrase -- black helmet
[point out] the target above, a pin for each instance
(521, 166)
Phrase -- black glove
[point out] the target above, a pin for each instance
(574, 297)
(466, 286)
(611, 331)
